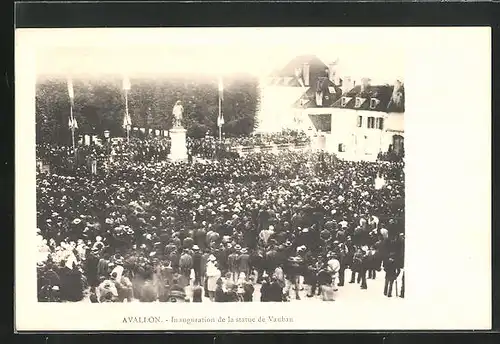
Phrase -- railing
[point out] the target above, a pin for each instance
(269, 148)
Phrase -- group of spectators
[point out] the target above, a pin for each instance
(155, 149)
(152, 230)
(293, 137)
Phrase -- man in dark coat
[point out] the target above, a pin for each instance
(232, 294)
(271, 260)
(343, 256)
(265, 289)
(220, 294)
(391, 273)
(358, 267)
(248, 290)
(197, 264)
(197, 292)
(91, 269)
(232, 261)
(244, 262)
(200, 237)
(294, 271)
(257, 263)
(275, 291)
(186, 264)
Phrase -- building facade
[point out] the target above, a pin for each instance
(363, 122)
(351, 118)
(306, 81)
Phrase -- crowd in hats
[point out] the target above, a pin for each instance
(150, 230)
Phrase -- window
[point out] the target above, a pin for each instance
(344, 101)
(374, 103)
(380, 123)
(371, 122)
(359, 102)
(360, 121)
(341, 147)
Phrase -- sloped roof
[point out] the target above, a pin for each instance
(308, 99)
(382, 94)
(286, 81)
(322, 122)
(289, 69)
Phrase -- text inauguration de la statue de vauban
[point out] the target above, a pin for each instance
(204, 320)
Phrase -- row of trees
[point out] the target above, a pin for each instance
(100, 105)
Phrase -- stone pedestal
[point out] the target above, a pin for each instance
(178, 149)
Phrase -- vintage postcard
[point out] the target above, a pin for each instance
(253, 179)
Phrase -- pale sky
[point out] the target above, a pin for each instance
(216, 51)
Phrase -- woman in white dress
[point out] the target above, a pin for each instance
(213, 274)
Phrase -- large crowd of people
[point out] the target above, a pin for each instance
(146, 229)
(156, 148)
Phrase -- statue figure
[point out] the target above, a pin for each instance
(177, 112)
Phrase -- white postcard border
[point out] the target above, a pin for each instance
(448, 187)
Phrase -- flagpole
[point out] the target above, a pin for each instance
(220, 115)
(126, 111)
(72, 127)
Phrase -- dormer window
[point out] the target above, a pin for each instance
(344, 101)
(359, 102)
(374, 103)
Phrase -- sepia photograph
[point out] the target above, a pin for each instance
(213, 171)
(193, 185)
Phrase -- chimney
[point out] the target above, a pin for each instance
(365, 83)
(397, 85)
(305, 73)
(347, 84)
(332, 72)
(397, 95)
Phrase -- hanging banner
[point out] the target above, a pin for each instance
(157, 132)
(143, 130)
(150, 131)
(165, 133)
(86, 140)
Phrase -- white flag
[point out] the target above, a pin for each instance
(220, 120)
(70, 89)
(72, 123)
(127, 121)
(221, 89)
(126, 83)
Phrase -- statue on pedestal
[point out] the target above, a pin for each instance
(177, 112)
(178, 149)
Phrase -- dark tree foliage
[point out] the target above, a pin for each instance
(100, 105)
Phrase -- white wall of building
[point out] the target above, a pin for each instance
(394, 125)
(360, 143)
(276, 111)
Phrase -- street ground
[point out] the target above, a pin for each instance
(346, 293)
